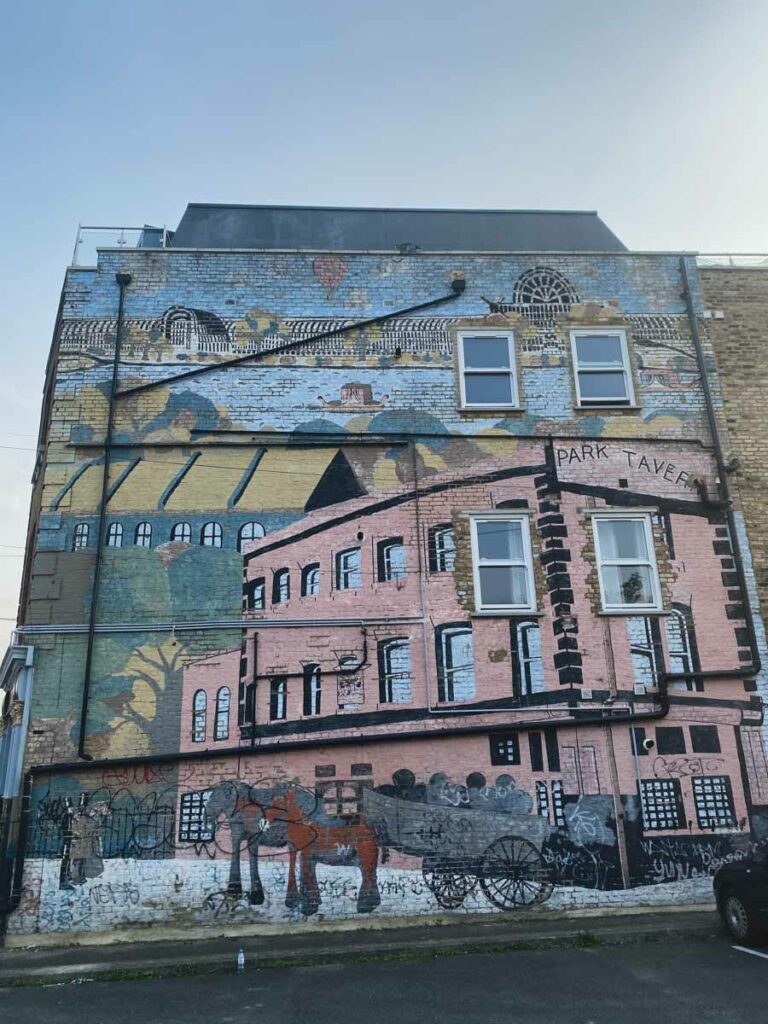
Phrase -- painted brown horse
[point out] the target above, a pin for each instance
(315, 842)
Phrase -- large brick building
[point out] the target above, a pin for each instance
(383, 561)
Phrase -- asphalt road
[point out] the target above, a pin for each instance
(702, 982)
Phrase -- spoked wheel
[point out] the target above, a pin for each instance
(513, 874)
(448, 885)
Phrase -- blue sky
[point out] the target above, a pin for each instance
(653, 113)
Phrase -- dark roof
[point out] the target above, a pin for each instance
(211, 226)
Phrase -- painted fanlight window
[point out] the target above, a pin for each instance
(390, 559)
(683, 650)
(501, 558)
(80, 536)
(254, 594)
(646, 651)
(143, 536)
(281, 587)
(310, 580)
(487, 370)
(115, 535)
(247, 533)
(312, 689)
(601, 366)
(221, 722)
(349, 571)
(211, 535)
(455, 662)
(442, 548)
(278, 698)
(527, 667)
(182, 532)
(395, 671)
(199, 715)
(627, 562)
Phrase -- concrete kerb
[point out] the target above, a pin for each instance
(72, 964)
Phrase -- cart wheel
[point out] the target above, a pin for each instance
(448, 885)
(513, 874)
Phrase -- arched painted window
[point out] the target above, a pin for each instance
(312, 689)
(80, 536)
(390, 559)
(199, 713)
(527, 666)
(143, 536)
(253, 595)
(683, 649)
(310, 580)
(281, 587)
(249, 532)
(115, 535)
(278, 698)
(182, 532)
(221, 724)
(455, 662)
(349, 570)
(395, 671)
(442, 548)
(211, 535)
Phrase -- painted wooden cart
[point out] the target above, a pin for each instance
(463, 847)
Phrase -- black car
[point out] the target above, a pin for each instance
(741, 891)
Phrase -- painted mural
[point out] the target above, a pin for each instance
(292, 600)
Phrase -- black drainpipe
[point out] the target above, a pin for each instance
(123, 280)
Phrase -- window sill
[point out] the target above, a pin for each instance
(633, 612)
(509, 613)
(607, 408)
(492, 410)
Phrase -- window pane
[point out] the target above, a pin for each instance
(488, 388)
(486, 353)
(499, 540)
(622, 538)
(599, 348)
(594, 386)
(502, 585)
(627, 584)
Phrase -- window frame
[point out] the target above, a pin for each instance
(278, 698)
(447, 673)
(511, 370)
(338, 567)
(387, 676)
(142, 534)
(312, 689)
(437, 553)
(278, 576)
(186, 533)
(384, 568)
(312, 569)
(503, 609)
(628, 609)
(115, 535)
(199, 716)
(252, 526)
(221, 713)
(80, 536)
(630, 401)
(216, 533)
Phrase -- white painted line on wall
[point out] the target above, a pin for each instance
(754, 952)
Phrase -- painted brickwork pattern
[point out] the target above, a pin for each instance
(289, 585)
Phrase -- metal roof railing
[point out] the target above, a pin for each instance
(734, 260)
(91, 237)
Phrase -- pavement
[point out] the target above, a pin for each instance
(500, 933)
(675, 980)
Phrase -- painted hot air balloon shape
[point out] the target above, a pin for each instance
(329, 271)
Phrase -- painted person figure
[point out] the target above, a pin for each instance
(83, 855)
